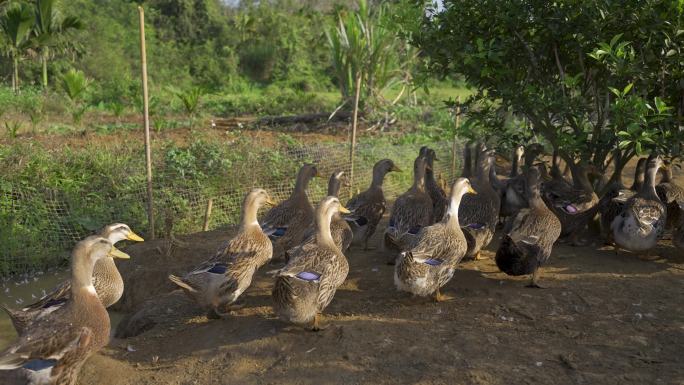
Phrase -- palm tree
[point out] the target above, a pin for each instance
(16, 25)
(49, 29)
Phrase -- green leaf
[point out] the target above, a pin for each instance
(624, 144)
(627, 88)
(671, 53)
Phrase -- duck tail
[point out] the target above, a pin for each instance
(19, 318)
(180, 282)
(11, 361)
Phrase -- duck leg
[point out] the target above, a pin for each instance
(534, 282)
(477, 256)
(316, 327)
(439, 297)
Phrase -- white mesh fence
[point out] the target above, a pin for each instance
(56, 221)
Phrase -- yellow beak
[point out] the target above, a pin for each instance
(471, 191)
(269, 202)
(395, 168)
(116, 253)
(344, 210)
(134, 237)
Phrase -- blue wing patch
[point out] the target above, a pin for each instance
(219, 268)
(433, 262)
(54, 302)
(308, 276)
(37, 365)
(414, 230)
(475, 226)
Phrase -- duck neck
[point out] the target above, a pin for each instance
(249, 214)
(323, 235)
(301, 185)
(378, 178)
(81, 276)
(334, 187)
(666, 175)
(419, 179)
(483, 169)
(516, 163)
(638, 178)
(580, 178)
(649, 182)
(452, 212)
(467, 162)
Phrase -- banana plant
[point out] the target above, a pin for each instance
(16, 26)
(50, 30)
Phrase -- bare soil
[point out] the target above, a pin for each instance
(603, 318)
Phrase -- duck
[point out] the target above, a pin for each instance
(513, 198)
(528, 244)
(439, 200)
(639, 175)
(411, 211)
(467, 171)
(285, 223)
(309, 280)
(500, 185)
(218, 282)
(574, 204)
(107, 281)
(479, 213)
(678, 233)
(431, 260)
(55, 346)
(613, 201)
(368, 207)
(642, 221)
(339, 228)
(670, 193)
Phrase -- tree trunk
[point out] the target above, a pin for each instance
(15, 75)
(44, 60)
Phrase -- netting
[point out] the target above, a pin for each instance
(57, 220)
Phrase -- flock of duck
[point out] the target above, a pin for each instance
(428, 234)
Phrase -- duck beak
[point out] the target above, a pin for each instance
(269, 202)
(395, 168)
(134, 237)
(116, 253)
(471, 191)
(344, 210)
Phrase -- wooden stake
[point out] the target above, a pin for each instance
(455, 145)
(146, 118)
(355, 119)
(207, 214)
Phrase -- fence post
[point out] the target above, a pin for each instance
(146, 118)
(207, 214)
(355, 118)
(455, 147)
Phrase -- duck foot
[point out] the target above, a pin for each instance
(213, 314)
(439, 297)
(317, 327)
(649, 257)
(534, 282)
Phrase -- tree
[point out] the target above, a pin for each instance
(362, 46)
(50, 30)
(594, 79)
(16, 26)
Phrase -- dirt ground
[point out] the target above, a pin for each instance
(603, 318)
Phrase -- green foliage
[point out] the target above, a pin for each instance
(191, 99)
(12, 128)
(362, 46)
(578, 72)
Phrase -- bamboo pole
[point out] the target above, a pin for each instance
(355, 120)
(455, 144)
(146, 118)
(207, 214)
